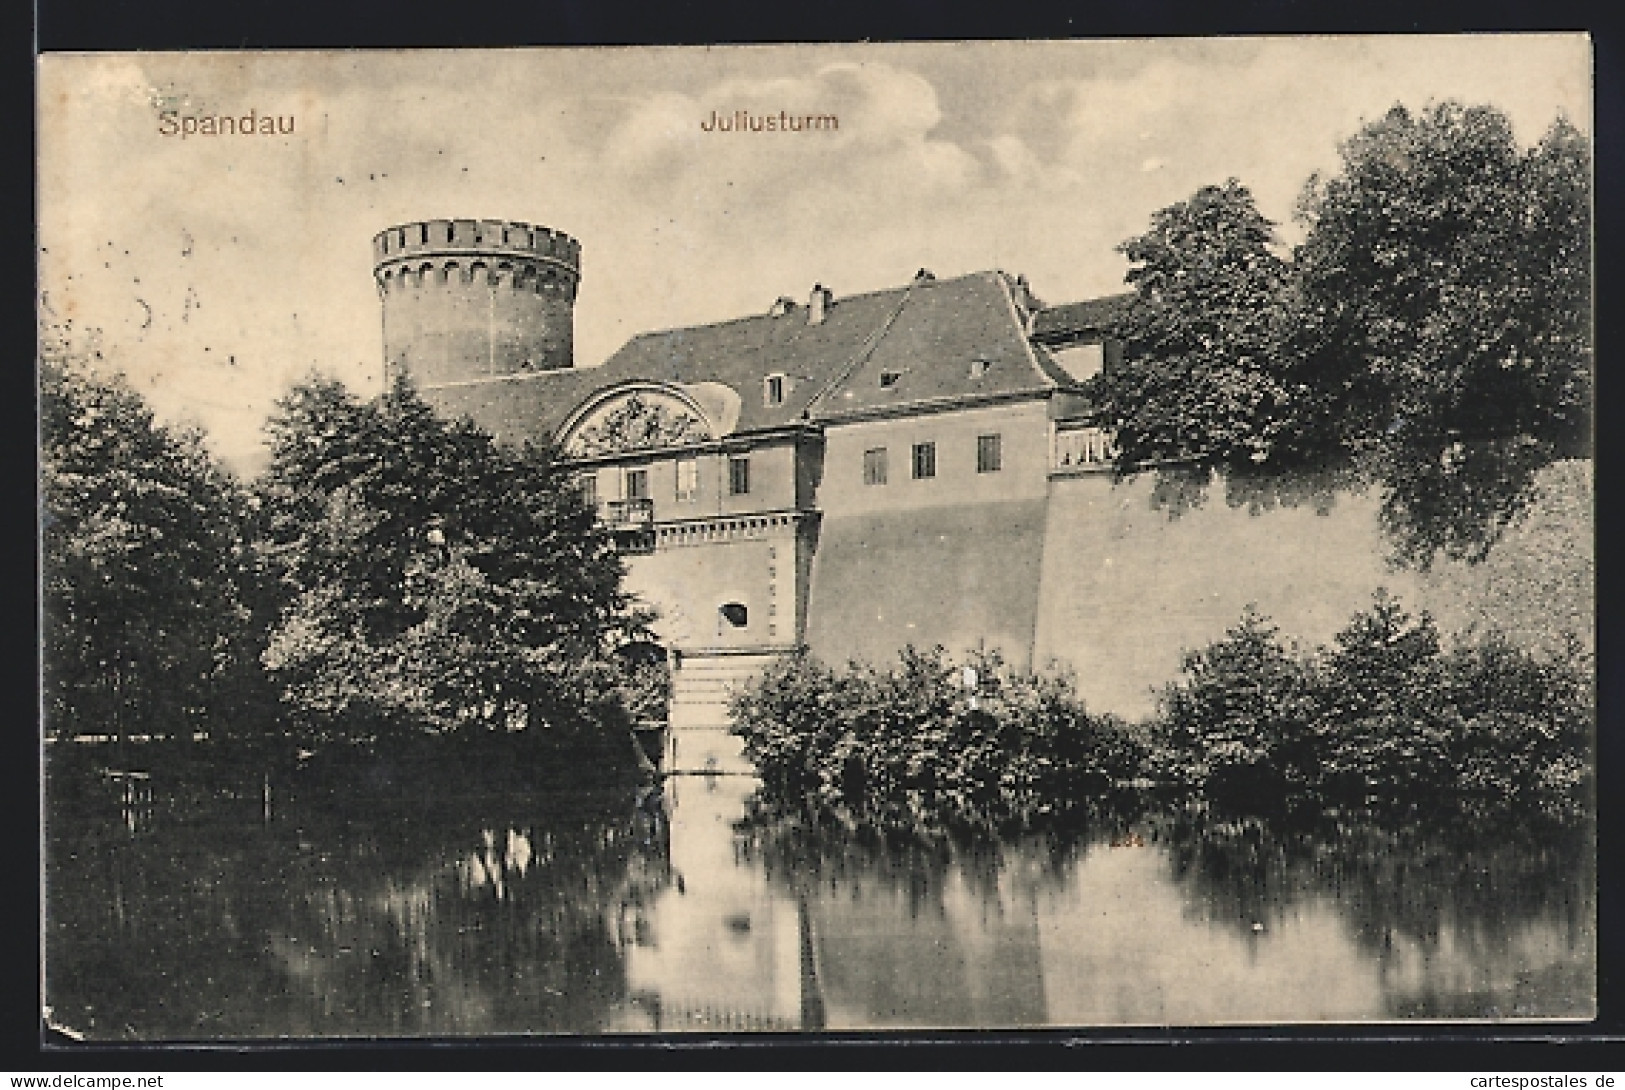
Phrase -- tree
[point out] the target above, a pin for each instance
(1242, 718)
(1451, 271)
(1440, 318)
(1432, 332)
(1199, 380)
(144, 562)
(1386, 717)
(436, 580)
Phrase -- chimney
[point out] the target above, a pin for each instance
(925, 274)
(818, 304)
(781, 306)
(1025, 297)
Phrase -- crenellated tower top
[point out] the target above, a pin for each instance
(431, 239)
(471, 299)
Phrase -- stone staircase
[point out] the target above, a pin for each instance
(698, 740)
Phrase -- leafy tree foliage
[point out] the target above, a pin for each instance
(146, 574)
(1442, 317)
(1431, 333)
(435, 579)
(1384, 705)
(1444, 284)
(1243, 716)
(914, 744)
(1386, 714)
(1387, 718)
(1200, 335)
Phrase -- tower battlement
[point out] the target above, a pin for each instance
(468, 299)
(445, 238)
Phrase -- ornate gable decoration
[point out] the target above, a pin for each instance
(643, 420)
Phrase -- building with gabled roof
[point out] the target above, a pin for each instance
(847, 473)
(917, 465)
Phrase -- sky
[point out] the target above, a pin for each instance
(215, 272)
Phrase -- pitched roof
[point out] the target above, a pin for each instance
(927, 333)
(1067, 320)
(927, 351)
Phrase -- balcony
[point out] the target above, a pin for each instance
(628, 514)
(631, 524)
(1081, 449)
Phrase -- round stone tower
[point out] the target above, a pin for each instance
(473, 299)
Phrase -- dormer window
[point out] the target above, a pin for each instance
(979, 368)
(888, 379)
(773, 387)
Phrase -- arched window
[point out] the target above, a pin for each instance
(735, 614)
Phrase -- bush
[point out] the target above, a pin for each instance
(436, 581)
(930, 740)
(1386, 721)
(1523, 726)
(1243, 720)
(1386, 715)
(146, 578)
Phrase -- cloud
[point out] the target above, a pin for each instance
(221, 271)
(880, 140)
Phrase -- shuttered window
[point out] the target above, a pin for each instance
(989, 453)
(874, 466)
(925, 460)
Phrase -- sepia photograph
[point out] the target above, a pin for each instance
(817, 538)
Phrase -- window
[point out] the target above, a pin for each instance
(738, 476)
(735, 614)
(773, 390)
(925, 460)
(874, 466)
(888, 379)
(989, 453)
(587, 483)
(688, 478)
(637, 484)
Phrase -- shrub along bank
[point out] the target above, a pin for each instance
(978, 740)
(1386, 716)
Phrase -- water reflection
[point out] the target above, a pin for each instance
(687, 910)
(1453, 922)
(215, 922)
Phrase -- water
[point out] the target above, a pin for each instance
(601, 913)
